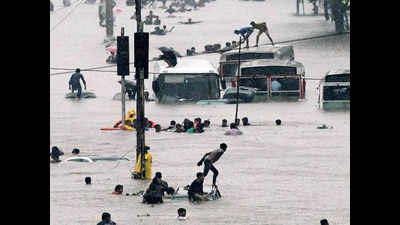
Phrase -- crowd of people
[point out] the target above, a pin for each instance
(187, 126)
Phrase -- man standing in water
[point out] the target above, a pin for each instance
(75, 84)
(262, 28)
(210, 158)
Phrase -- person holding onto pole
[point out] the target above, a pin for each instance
(262, 28)
(210, 158)
(75, 84)
(245, 32)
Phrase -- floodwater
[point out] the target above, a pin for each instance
(289, 174)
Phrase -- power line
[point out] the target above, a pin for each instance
(63, 19)
(110, 66)
(61, 8)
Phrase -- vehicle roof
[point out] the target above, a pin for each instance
(270, 62)
(185, 65)
(338, 71)
(260, 49)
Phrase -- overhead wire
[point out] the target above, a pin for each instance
(95, 69)
(63, 19)
(65, 7)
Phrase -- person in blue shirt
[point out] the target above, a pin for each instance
(276, 85)
(245, 32)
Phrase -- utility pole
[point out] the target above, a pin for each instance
(140, 75)
(238, 79)
(123, 90)
(123, 67)
(109, 18)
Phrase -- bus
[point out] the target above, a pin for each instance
(191, 80)
(273, 79)
(334, 90)
(228, 62)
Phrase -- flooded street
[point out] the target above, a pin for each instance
(293, 174)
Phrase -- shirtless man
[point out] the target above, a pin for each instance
(210, 158)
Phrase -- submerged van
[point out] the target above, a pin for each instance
(334, 90)
(191, 80)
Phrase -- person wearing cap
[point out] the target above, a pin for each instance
(195, 191)
(75, 84)
(210, 158)
(154, 194)
(106, 219)
(262, 28)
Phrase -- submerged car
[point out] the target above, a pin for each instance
(334, 90)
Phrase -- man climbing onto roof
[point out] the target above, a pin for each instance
(210, 158)
(262, 28)
(245, 32)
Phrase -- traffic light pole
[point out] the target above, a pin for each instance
(123, 91)
(140, 135)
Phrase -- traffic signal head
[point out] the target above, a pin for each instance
(142, 52)
(123, 55)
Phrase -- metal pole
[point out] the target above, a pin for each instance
(238, 78)
(140, 134)
(123, 91)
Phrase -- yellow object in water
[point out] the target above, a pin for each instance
(148, 158)
(131, 115)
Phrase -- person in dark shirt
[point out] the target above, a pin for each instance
(210, 158)
(75, 84)
(195, 191)
(55, 154)
(155, 192)
(106, 219)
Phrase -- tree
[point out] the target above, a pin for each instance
(339, 13)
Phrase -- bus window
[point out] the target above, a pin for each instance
(285, 86)
(336, 92)
(259, 83)
(269, 70)
(229, 69)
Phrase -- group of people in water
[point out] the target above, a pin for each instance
(158, 187)
(187, 126)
